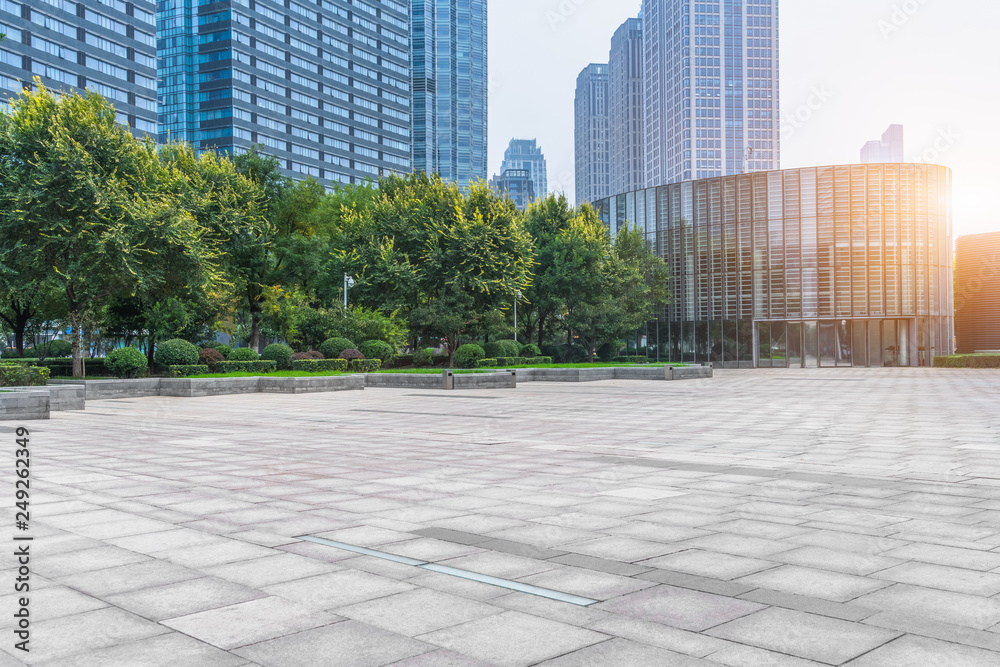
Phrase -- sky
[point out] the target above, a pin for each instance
(930, 65)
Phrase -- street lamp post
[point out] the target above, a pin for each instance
(348, 282)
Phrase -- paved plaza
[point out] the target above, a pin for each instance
(764, 518)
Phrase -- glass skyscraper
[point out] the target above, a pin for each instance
(626, 111)
(323, 85)
(830, 266)
(105, 46)
(593, 180)
(711, 88)
(450, 81)
(525, 154)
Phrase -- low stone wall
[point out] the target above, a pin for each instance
(485, 380)
(312, 385)
(64, 397)
(651, 372)
(97, 390)
(23, 405)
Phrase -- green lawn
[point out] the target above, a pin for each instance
(277, 374)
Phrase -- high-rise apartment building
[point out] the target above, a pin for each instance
(626, 111)
(323, 85)
(593, 162)
(525, 154)
(450, 81)
(104, 46)
(888, 149)
(711, 88)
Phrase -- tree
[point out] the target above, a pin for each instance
(80, 197)
(618, 285)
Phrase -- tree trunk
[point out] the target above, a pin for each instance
(74, 325)
(254, 331)
(541, 328)
(19, 324)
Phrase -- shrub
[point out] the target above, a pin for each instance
(510, 361)
(631, 360)
(332, 347)
(469, 355)
(243, 354)
(968, 361)
(542, 361)
(487, 363)
(402, 361)
(378, 349)
(60, 349)
(210, 357)
(493, 350)
(245, 366)
(423, 358)
(187, 371)
(11, 353)
(319, 365)
(351, 355)
(127, 363)
(92, 367)
(176, 352)
(224, 350)
(365, 365)
(17, 375)
(606, 352)
(503, 348)
(530, 351)
(311, 355)
(279, 354)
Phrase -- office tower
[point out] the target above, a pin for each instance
(105, 46)
(593, 163)
(525, 154)
(323, 86)
(450, 82)
(777, 269)
(889, 149)
(516, 184)
(711, 88)
(977, 293)
(626, 110)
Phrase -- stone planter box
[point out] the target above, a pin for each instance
(23, 405)
(666, 373)
(97, 390)
(484, 380)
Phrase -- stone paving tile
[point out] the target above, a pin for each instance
(623, 652)
(587, 583)
(680, 608)
(513, 639)
(817, 638)
(959, 580)
(808, 581)
(710, 564)
(657, 634)
(170, 650)
(741, 655)
(620, 548)
(418, 611)
(48, 603)
(250, 622)
(916, 651)
(269, 570)
(958, 608)
(848, 562)
(337, 589)
(344, 644)
(183, 598)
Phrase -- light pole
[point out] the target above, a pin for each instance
(348, 282)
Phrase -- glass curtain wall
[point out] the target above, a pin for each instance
(823, 267)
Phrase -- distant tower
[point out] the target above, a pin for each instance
(591, 130)
(525, 154)
(889, 149)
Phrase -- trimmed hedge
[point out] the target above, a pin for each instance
(378, 349)
(332, 347)
(501, 348)
(176, 352)
(127, 363)
(541, 361)
(210, 357)
(279, 354)
(319, 365)
(93, 367)
(365, 365)
(469, 355)
(60, 349)
(310, 355)
(632, 360)
(991, 361)
(187, 371)
(402, 361)
(487, 363)
(245, 366)
(16, 375)
(530, 351)
(243, 354)
(510, 361)
(352, 354)
(224, 350)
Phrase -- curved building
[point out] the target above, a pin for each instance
(821, 267)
